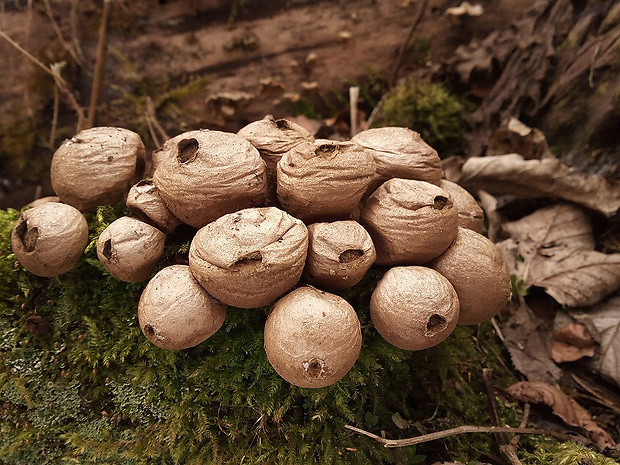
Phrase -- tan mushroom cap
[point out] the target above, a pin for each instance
(249, 258)
(471, 215)
(339, 254)
(144, 198)
(414, 307)
(324, 181)
(97, 167)
(410, 222)
(400, 153)
(479, 274)
(312, 338)
(202, 175)
(49, 239)
(129, 249)
(175, 312)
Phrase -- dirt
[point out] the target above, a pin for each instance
(273, 57)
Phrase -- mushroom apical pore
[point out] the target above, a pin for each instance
(97, 167)
(399, 153)
(410, 222)
(471, 215)
(323, 181)
(312, 338)
(129, 249)
(414, 307)
(49, 239)
(249, 258)
(479, 274)
(175, 312)
(202, 175)
(339, 254)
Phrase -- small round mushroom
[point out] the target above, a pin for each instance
(129, 249)
(471, 215)
(42, 200)
(202, 175)
(49, 239)
(479, 274)
(249, 258)
(175, 312)
(400, 153)
(414, 307)
(410, 222)
(312, 338)
(339, 254)
(97, 167)
(273, 138)
(323, 181)
(144, 199)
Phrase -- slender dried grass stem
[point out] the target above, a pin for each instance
(99, 64)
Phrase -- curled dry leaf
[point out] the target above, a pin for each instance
(557, 250)
(563, 406)
(571, 342)
(511, 174)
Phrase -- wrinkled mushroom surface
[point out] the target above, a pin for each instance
(312, 338)
(479, 274)
(144, 198)
(323, 181)
(471, 215)
(414, 307)
(129, 249)
(49, 239)
(249, 258)
(175, 312)
(339, 254)
(400, 153)
(410, 222)
(202, 175)
(97, 167)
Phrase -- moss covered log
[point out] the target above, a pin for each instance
(79, 383)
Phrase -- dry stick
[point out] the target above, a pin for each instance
(151, 113)
(73, 23)
(61, 39)
(354, 94)
(526, 416)
(99, 64)
(54, 118)
(403, 48)
(454, 432)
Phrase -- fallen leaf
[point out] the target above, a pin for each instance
(400, 421)
(549, 177)
(603, 323)
(571, 342)
(515, 137)
(555, 252)
(494, 219)
(567, 409)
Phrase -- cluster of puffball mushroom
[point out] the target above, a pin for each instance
(272, 204)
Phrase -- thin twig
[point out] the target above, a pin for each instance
(73, 24)
(54, 117)
(497, 329)
(151, 117)
(523, 424)
(405, 46)
(99, 64)
(454, 432)
(68, 47)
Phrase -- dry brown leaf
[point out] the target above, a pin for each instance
(571, 342)
(511, 174)
(564, 407)
(555, 252)
(514, 136)
(603, 322)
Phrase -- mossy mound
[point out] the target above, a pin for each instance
(79, 383)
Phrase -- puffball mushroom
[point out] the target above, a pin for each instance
(175, 312)
(414, 307)
(312, 338)
(129, 249)
(202, 175)
(49, 239)
(339, 254)
(410, 222)
(97, 167)
(144, 198)
(471, 215)
(400, 153)
(479, 274)
(272, 138)
(249, 258)
(323, 181)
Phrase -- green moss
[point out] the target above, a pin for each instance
(552, 452)
(95, 390)
(430, 109)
